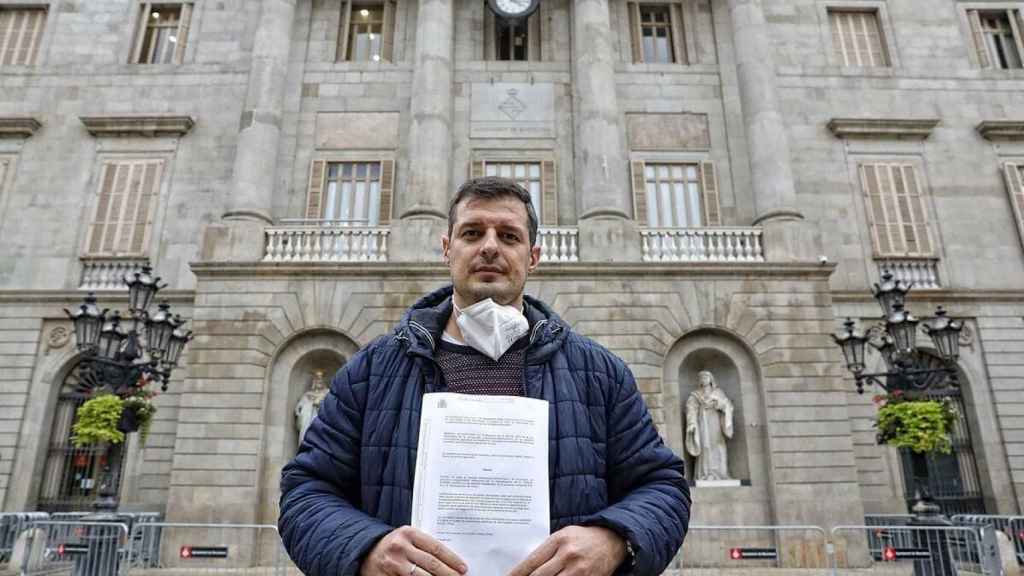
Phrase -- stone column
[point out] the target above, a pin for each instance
(239, 236)
(424, 199)
(787, 236)
(602, 187)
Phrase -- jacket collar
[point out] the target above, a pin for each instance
(423, 324)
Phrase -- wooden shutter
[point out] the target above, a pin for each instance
(549, 192)
(678, 34)
(980, 48)
(387, 190)
(635, 34)
(343, 29)
(140, 34)
(1017, 25)
(317, 176)
(876, 195)
(639, 193)
(1015, 188)
(20, 32)
(123, 218)
(387, 46)
(533, 37)
(490, 38)
(183, 29)
(710, 196)
(477, 169)
(916, 228)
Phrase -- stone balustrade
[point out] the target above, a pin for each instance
(923, 272)
(559, 244)
(702, 245)
(108, 273)
(311, 242)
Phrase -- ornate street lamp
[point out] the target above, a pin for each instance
(909, 372)
(115, 359)
(895, 339)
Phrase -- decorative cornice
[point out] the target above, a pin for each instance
(71, 297)
(1001, 129)
(18, 127)
(148, 126)
(901, 128)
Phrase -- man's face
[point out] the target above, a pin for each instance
(489, 252)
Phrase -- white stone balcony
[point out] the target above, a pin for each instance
(107, 273)
(318, 241)
(701, 245)
(558, 244)
(923, 272)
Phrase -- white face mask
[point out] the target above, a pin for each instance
(491, 328)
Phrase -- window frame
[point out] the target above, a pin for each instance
(886, 32)
(927, 200)
(386, 203)
(709, 170)
(188, 22)
(389, 24)
(1014, 191)
(41, 44)
(682, 18)
(548, 214)
(535, 49)
(970, 34)
(150, 241)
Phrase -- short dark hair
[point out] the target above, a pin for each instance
(493, 188)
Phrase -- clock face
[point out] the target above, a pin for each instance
(513, 7)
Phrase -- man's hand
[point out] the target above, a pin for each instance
(575, 551)
(407, 551)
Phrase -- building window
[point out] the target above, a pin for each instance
(997, 37)
(857, 38)
(1015, 187)
(897, 214)
(676, 194)
(512, 40)
(536, 176)
(20, 32)
(356, 193)
(127, 198)
(657, 32)
(163, 33)
(367, 32)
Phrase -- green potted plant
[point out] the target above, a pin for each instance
(923, 426)
(108, 417)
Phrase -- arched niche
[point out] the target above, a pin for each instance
(736, 372)
(289, 378)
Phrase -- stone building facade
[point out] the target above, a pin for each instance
(720, 182)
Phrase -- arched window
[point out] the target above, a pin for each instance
(951, 479)
(71, 475)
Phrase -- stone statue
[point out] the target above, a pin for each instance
(309, 404)
(708, 427)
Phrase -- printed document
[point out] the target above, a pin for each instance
(481, 483)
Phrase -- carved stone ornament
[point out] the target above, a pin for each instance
(967, 336)
(58, 337)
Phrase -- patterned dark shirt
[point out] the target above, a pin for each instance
(467, 371)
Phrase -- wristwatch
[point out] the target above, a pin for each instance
(632, 555)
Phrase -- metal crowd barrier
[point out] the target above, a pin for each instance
(929, 550)
(199, 549)
(74, 548)
(708, 550)
(1012, 526)
(11, 525)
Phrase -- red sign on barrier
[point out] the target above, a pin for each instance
(193, 552)
(753, 554)
(892, 554)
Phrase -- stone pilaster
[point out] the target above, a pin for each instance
(787, 236)
(239, 235)
(424, 198)
(607, 231)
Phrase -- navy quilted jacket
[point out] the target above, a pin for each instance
(351, 482)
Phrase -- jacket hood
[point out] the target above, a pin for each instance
(423, 324)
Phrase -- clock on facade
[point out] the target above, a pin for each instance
(513, 9)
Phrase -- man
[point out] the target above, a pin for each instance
(618, 499)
